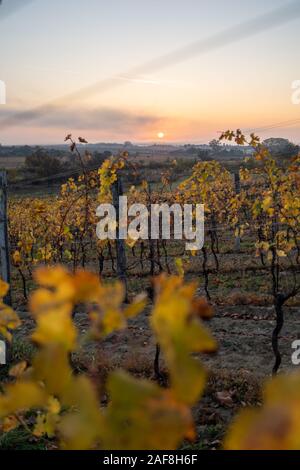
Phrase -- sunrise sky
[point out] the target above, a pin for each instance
(50, 49)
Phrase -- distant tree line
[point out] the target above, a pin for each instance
(42, 163)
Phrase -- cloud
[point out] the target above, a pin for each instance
(79, 118)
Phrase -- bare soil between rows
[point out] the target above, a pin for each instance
(243, 334)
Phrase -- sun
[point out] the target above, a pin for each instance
(160, 135)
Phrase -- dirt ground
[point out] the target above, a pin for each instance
(243, 334)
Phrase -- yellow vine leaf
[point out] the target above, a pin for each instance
(131, 242)
(9, 424)
(20, 396)
(4, 287)
(18, 370)
(9, 320)
(83, 426)
(56, 278)
(109, 314)
(58, 379)
(137, 306)
(281, 253)
(46, 425)
(87, 287)
(180, 333)
(277, 425)
(17, 258)
(179, 267)
(148, 416)
(55, 328)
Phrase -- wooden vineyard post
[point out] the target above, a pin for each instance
(117, 191)
(4, 256)
(151, 242)
(237, 184)
(4, 246)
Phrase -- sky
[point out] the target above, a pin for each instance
(50, 49)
